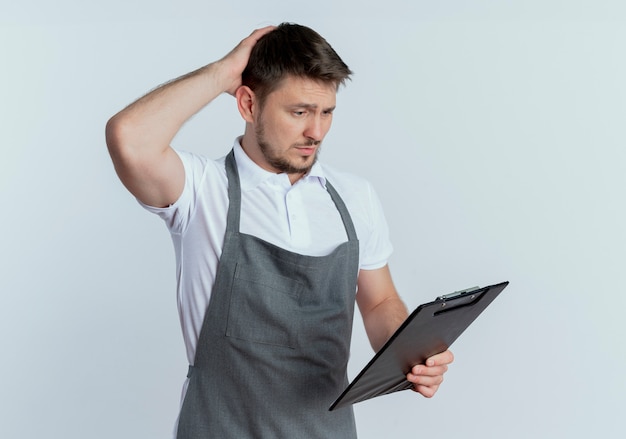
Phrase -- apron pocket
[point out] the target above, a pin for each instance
(264, 307)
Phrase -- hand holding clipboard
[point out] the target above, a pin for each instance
(429, 330)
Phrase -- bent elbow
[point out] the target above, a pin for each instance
(121, 140)
(114, 135)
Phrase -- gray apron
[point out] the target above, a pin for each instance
(274, 345)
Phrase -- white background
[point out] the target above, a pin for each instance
(492, 130)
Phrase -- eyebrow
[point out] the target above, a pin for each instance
(310, 106)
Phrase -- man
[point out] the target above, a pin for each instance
(271, 245)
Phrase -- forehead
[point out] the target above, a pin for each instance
(293, 90)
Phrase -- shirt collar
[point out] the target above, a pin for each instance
(252, 175)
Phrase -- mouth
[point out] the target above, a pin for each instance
(307, 149)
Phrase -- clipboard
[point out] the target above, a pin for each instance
(429, 330)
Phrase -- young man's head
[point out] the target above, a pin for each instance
(296, 51)
(287, 98)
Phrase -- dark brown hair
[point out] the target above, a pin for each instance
(292, 50)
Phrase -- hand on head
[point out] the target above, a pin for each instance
(237, 59)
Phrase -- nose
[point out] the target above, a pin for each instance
(315, 129)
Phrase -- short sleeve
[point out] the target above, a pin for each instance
(177, 215)
(377, 247)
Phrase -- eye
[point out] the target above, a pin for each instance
(299, 113)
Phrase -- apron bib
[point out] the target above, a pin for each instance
(273, 349)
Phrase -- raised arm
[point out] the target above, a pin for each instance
(139, 136)
(383, 312)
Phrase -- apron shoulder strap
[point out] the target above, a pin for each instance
(234, 194)
(343, 211)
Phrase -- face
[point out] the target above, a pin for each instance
(290, 127)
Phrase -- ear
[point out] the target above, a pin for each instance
(246, 102)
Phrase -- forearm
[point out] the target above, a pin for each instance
(149, 124)
(382, 309)
(383, 320)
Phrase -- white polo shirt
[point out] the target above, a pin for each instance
(301, 218)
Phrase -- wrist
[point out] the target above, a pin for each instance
(225, 76)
